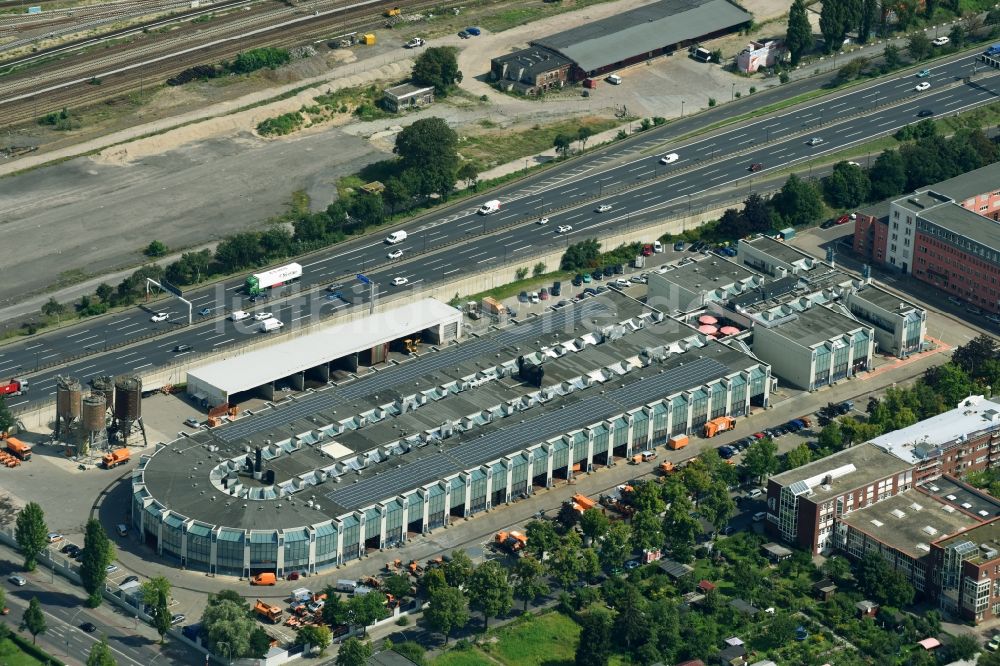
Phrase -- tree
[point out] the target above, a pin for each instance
(367, 609)
(717, 506)
(647, 531)
(539, 269)
(869, 20)
(238, 251)
(583, 133)
(100, 654)
(438, 67)
(368, 208)
(448, 609)
(98, 553)
(797, 457)
(798, 36)
(581, 256)
(149, 591)
(413, 651)
(680, 527)
(761, 459)
(892, 57)
(596, 650)
(594, 523)
(542, 537)
(490, 591)
(883, 583)
(30, 532)
(837, 568)
(975, 354)
(957, 36)
(317, 636)
(631, 623)
(529, 581)
(34, 619)
(798, 202)
(53, 308)
(335, 610)
(398, 585)
(781, 630)
(887, 176)
(919, 46)
(193, 267)
(962, 646)
(430, 581)
(155, 249)
(833, 24)
(847, 186)
(398, 196)
(161, 614)
(458, 570)
(228, 626)
(989, 659)
(354, 653)
(616, 546)
(564, 560)
(563, 142)
(469, 172)
(430, 148)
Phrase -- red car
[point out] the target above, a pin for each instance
(756, 166)
(759, 435)
(647, 250)
(844, 219)
(293, 576)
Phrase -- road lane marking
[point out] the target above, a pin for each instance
(82, 332)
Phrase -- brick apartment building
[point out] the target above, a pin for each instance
(946, 235)
(965, 568)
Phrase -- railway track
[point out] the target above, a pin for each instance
(25, 98)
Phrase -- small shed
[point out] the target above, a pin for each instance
(744, 607)
(374, 187)
(824, 589)
(706, 586)
(406, 96)
(675, 570)
(930, 643)
(867, 608)
(776, 552)
(733, 655)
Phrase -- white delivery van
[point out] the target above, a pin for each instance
(490, 207)
(239, 315)
(614, 79)
(395, 237)
(271, 324)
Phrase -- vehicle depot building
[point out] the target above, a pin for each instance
(373, 461)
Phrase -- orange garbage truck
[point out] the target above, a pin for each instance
(115, 458)
(267, 611)
(19, 449)
(719, 425)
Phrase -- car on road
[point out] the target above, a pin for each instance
(925, 113)
(159, 316)
(414, 43)
(239, 315)
(923, 85)
(263, 316)
(755, 493)
(940, 41)
(295, 575)
(756, 166)
(597, 274)
(669, 158)
(603, 208)
(399, 281)
(533, 297)
(829, 223)
(726, 452)
(20, 581)
(608, 271)
(204, 312)
(68, 547)
(543, 220)
(474, 31)
(183, 348)
(54, 537)
(177, 619)
(111, 568)
(972, 309)
(993, 317)
(587, 278)
(623, 284)
(89, 627)
(564, 229)
(815, 141)
(679, 246)
(395, 254)
(994, 643)
(73, 550)
(923, 74)
(954, 300)
(577, 280)
(543, 294)
(192, 422)
(130, 579)
(463, 34)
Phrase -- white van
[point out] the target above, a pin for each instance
(490, 207)
(759, 516)
(395, 237)
(614, 79)
(239, 315)
(271, 324)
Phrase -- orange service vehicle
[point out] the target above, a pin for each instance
(18, 448)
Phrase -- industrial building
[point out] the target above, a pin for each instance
(945, 235)
(693, 284)
(640, 34)
(900, 326)
(407, 96)
(368, 463)
(315, 355)
(773, 257)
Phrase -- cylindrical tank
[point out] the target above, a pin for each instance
(94, 408)
(68, 398)
(128, 398)
(105, 385)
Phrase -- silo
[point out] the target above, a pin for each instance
(105, 385)
(69, 396)
(128, 407)
(95, 433)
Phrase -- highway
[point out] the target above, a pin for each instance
(628, 177)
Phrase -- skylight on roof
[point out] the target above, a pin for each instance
(916, 507)
(897, 513)
(927, 529)
(877, 523)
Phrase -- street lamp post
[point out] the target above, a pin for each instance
(732, 93)
(682, 108)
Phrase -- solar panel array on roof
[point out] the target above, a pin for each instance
(532, 431)
(399, 376)
(779, 287)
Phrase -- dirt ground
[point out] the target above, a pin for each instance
(214, 176)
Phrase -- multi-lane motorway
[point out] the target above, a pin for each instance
(627, 177)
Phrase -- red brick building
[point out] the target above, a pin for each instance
(966, 569)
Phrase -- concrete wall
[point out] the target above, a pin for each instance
(790, 362)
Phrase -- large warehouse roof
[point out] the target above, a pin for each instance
(261, 366)
(643, 30)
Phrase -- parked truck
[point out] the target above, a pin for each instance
(677, 442)
(493, 307)
(719, 425)
(15, 386)
(19, 449)
(512, 541)
(261, 282)
(272, 324)
(115, 458)
(268, 612)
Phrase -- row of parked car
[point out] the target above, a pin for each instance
(727, 451)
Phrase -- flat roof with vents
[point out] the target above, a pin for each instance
(956, 494)
(928, 438)
(893, 522)
(983, 541)
(869, 465)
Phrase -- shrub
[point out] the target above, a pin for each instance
(711, 101)
(753, 89)
(783, 77)
(286, 123)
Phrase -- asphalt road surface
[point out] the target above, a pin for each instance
(627, 177)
